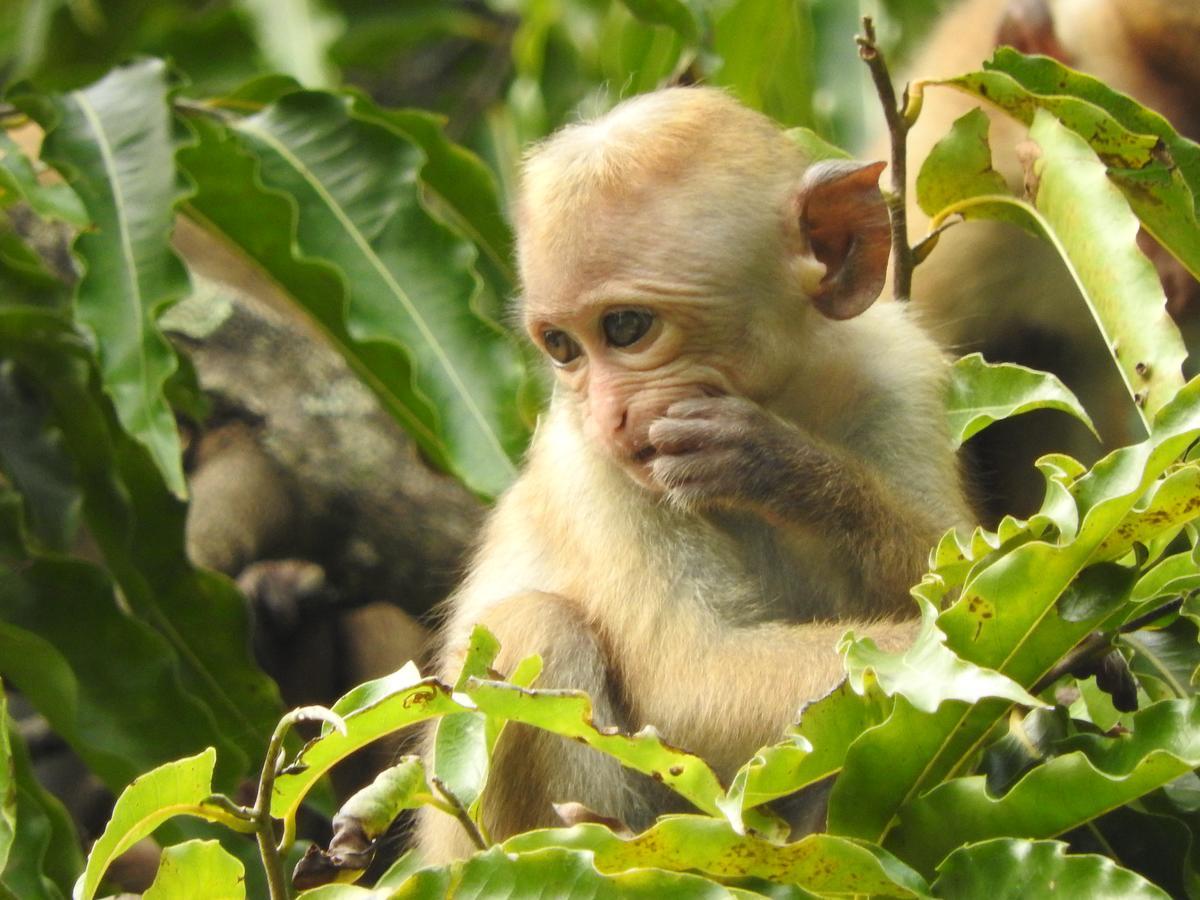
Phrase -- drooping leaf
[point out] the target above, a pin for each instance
(392, 287)
(1118, 281)
(115, 142)
(462, 750)
(174, 789)
(62, 625)
(1007, 869)
(982, 393)
(1097, 240)
(1045, 76)
(1163, 188)
(959, 166)
(362, 820)
(820, 863)
(197, 869)
(1165, 660)
(464, 187)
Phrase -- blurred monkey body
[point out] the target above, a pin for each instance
(742, 457)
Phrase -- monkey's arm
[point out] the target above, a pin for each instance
(721, 692)
(730, 452)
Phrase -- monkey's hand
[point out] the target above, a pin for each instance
(730, 452)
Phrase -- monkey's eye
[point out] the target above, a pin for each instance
(560, 345)
(627, 326)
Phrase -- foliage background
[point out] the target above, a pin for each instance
(136, 657)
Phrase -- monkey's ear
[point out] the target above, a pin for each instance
(843, 215)
(1028, 26)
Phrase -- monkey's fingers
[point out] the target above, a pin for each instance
(701, 478)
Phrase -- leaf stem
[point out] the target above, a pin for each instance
(459, 811)
(264, 830)
(899, 120)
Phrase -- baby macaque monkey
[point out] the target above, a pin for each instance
(742, 458)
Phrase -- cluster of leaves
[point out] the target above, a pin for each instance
(391, 239)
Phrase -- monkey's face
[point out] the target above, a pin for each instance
(621, 365)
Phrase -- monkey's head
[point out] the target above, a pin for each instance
(682, 246)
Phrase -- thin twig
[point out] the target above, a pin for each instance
(898, 124)
(459, 812)
(277, 884)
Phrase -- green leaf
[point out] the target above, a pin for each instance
(197, 869)
(464, 187)
(1113, 142)
(1167, 506)
(1007, 618)
(959, 166)
(19, 181)
(177, 788)
(371, 692)
(1097, 240)
(816, 749)
(8, 785)
(1120, 283)
(814, 146)
(373, 808)
(926, 673)
(569, 713)
(62, 625)
(462, 744)
(138, 525)
(766, 58)
(674, 14)
(1045, 76)
(820, 863)
(1165, 660)
(1161, 181)
(32, 457)
(982, 393)
(295, 37)
(115, 142)
(1004, 868)
(415, 703)
(44, 858)
(555, 872)
(1094, 775)
(393, 288)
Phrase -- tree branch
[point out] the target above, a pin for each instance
(899, 120)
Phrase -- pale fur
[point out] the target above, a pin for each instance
(714, 627)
